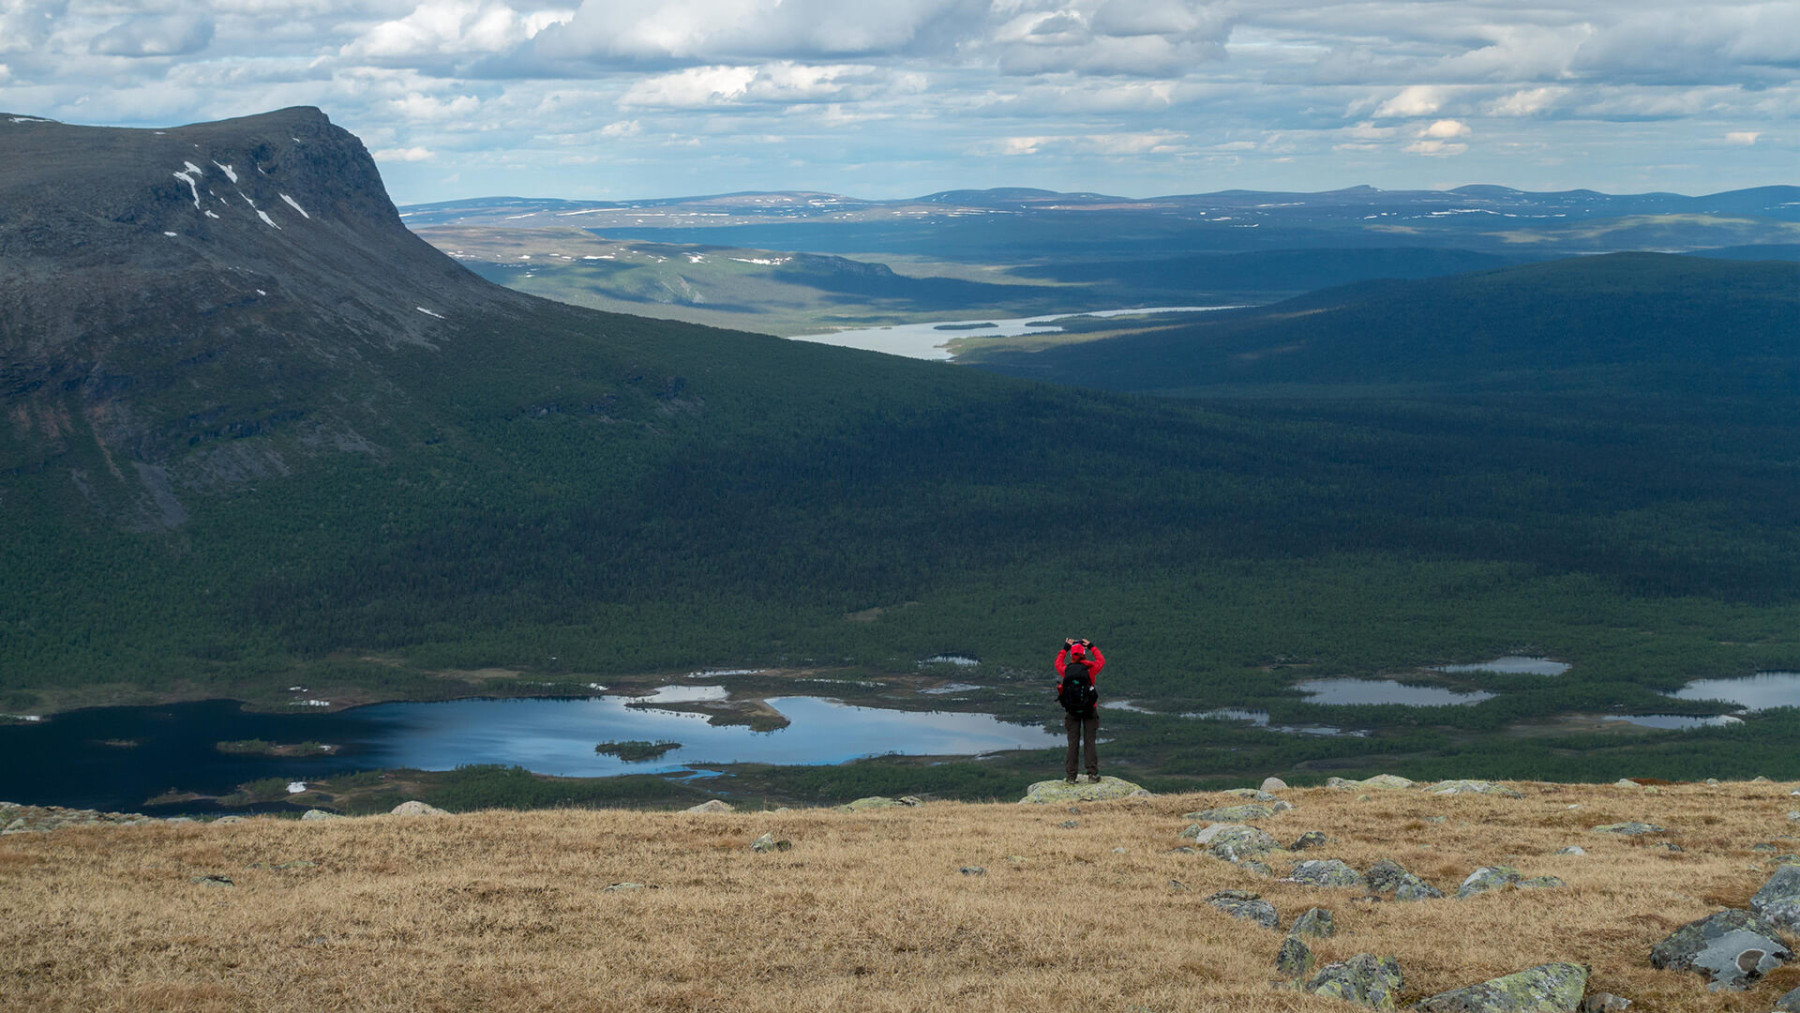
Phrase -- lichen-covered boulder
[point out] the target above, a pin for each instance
(1630, 829)
(712, 805)
(1389, 876)
(1248, 906)
(1325, 872)
(1060, 791)
(1274, 784)
(1294, 959)
(1235, 842)
(769, 842)
(1390, 782)
(417, 808)
(879, 802)
(1364, 979)
(1310, 839)
(1789, 1003)
(1316, 922)
(1732, 947)
(1778, 902)
(315, 815)
(1238, 813)
(1472, 788)
(1547, 988)
(1486, 878)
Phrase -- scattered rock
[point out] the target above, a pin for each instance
(21, 819)
(711, 805)
(1248, 906)
(224, 821)
(1769, 848)
(1732, 947)
(1364, 979)
(1257, 867)
(1239, 813)
(417, 808)
(1389, 876)
(1789, 1003)
(213, 880)
(315, 815)
(1316, 922)
(1778, 902)
(1712, 782)
(1325, 872)
(1294, 960)
(1310, 839)
(1626, 782)
(1604, 1002)
(1573, 849)
(1387, 781)
(1631, 829)
(972, 870)
(768, 842)
(1274, 784)
(1547, 988)
(880, 802)
(1060, 791)
(1759, 779)
(1486, 878)
(1235, 842)
(1251, 793)
(1472, 788)
(1069, 824)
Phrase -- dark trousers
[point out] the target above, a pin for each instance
(1082, 731)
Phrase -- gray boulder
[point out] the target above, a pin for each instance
(1486, 878)
(1253, 794)
(1235, 842)
(1294, 960)
(1248, 906)
(1778, 902)
(1238, 813)
(1734, 948)
(315, 815)
(1605, 1002)
(1325, 872)
(1316, 922)
(1472, 788)
(417, 808)
(1630, 829)
(1547, 988)
(879, 802)
(1274, 784)
(1789, 1003)
(1364, 979)
(768, 842)
(1390, 782)
(1310, 839)
(712, 805)
(1060, 792)
(1573, 849)
(1389, 876)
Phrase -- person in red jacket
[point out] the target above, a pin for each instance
(1078, 665)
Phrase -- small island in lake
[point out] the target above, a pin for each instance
(965, 327)
(635, 750)
(263, 747)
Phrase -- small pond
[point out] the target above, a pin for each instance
(1510, 665)
(1343, 692)
(68, 761)
(1753, 693)
(1261, 720)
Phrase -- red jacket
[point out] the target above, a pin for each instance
(1095, 661)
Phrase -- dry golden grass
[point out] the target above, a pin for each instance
(508, 911)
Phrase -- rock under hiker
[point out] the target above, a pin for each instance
(1078, 666)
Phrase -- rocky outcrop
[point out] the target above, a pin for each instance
(1239, 813)
(769, 842)
(1106, 789)
(711, 805)
(1389, 782)
(20, 819)
(1789, 1003)
(1489, 877)
(1547, 988)
(1390, 877)
(1294, 960)
(320, 815)
(1235, 842)
(1733, 948)
(417, 808)
(881, 802)
(1363, 979)
(1472, 788)
(1248, 906)
(1778, 902)
(1325, 872)
(1630, 829)
(1316, 922)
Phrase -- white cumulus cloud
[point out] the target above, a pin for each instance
(1414, 100)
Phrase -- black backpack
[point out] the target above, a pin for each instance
(1077, 693)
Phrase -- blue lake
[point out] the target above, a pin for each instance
(1757, 692)
(65, 761)
(1379, 691)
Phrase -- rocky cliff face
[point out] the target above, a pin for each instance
(165, 292)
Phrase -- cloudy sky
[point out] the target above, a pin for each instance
(614, 99)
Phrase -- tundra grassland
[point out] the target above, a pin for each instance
(506, 911)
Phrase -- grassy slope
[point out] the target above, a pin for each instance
(509, 912)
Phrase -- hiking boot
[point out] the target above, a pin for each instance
(1071, 779)
(1093, 778)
